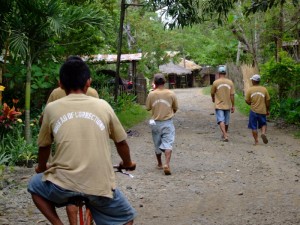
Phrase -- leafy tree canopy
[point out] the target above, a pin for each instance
(189, 12)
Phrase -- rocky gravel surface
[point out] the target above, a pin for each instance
(212, 182)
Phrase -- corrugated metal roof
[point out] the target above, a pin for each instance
(113, 58)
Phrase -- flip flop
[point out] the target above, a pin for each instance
(159, 167)
(167, 170)
(264, 138)
(225, 140)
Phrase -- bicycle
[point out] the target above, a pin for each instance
(85, 215)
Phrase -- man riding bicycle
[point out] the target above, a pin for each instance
(80, 126)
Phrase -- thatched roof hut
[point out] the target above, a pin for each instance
(171, 68)
(176, 75)
(188, 64)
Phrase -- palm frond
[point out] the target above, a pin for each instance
(18, 43)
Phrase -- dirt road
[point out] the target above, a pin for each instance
(212, 182)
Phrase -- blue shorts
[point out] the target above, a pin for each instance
(256, 120)
(116, 210)
(163, 134)
(223, 116)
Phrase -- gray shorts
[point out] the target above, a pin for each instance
(223, 116)
(116, 210)
(163, 134)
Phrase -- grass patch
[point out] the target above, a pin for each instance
(206, 90)
(133, 115)
(297, 135)
(241, 105)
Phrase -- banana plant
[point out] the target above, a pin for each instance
(32, 27)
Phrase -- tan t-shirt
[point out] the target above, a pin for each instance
(163, 103)
(81, 127)
(258, 95)
(222, 88)
(58, 93)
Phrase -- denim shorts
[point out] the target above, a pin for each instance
(223, 116)
(106, 211)
(256, 120)
(163, 134)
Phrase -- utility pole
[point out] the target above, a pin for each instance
(124, 5)
(117, 78)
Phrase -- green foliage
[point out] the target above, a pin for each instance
(187, 13)
(283, 82)
(284, 74)
(262, 5)
(132, 115)
(4, 158)
(241, 105)
(274, 103)
(290, 110)
(14, 150)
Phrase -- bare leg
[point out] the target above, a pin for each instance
(168, 154)
(263, 134)
(159, 162)
(72, 211)
(47, 209)
(264, 129)
(223, 130)
(255, 136)
(226, 128)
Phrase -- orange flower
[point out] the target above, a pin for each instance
(10, 113)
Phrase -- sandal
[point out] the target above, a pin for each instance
(167, 170)
(264, 138)
(225, 140)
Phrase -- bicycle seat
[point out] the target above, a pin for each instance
(78, 200)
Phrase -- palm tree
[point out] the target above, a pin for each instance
(34, 25)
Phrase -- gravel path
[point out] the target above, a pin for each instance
(212, 182)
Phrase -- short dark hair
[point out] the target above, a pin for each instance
(74, 73)
(159, 79)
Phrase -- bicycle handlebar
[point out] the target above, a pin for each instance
(119, 169)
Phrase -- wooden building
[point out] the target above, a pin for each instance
(176, 76)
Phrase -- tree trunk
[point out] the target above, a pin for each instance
(3, 69)
(238, 54)
(27, 101)
(279, 36)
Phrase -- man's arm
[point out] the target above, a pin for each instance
(268, 107)
(43, 155)
(212, 93)
(212, 97)
(232, 103)
(247, 98)
(124, 153)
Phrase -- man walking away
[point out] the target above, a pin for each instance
(222, 94)
(163, 104)
(258, 98)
